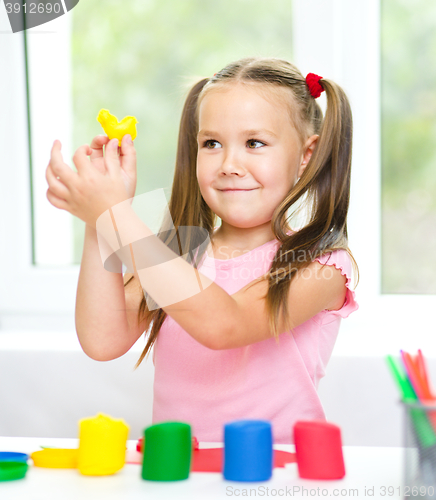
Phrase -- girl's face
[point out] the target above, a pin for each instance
(249, 154)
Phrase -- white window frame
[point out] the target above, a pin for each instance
(34, 297)
(338, 39)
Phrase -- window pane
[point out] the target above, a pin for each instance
(49, 99)
(408, 152)
(134, 58)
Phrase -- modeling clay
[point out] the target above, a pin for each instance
(13, 456)
(248, 450)
(115, 129)
(318, 447)
(141, 440)
(167, 452)
(10, 470)
(55, 458)
(209, 459)
(102, 445)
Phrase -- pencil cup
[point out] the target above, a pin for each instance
(167, 452)
(419, 424)
(318, 448)
(102, 445)
(248, 450)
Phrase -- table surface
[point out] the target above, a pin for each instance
(370, 473)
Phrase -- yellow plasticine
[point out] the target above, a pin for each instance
(102, 445)
(115, 129)
(55, 458)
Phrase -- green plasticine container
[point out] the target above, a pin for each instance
(167, 452)
(11, 470)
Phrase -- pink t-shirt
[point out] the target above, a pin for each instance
(277, 382)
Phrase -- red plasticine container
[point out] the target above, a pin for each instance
(318, 448)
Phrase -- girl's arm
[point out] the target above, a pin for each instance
(201, 307)
(106, 311)
(309, 293)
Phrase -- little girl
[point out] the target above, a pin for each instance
(255, 340)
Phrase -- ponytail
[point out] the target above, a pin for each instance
(328, 173)
(326, 184)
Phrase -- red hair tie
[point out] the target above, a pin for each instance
(315, 87)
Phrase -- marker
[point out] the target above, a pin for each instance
(421, 388)
(423, 370)
(415, 378)
(421, 425)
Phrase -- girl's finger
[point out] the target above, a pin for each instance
(111, 159)
(97, 146)
(60, 169)
(81, 160)
(56, 201)
(56, 186)
(128, 155)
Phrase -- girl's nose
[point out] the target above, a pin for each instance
(233, 164)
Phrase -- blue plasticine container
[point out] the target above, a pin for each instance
(13, 456)
(248, 450)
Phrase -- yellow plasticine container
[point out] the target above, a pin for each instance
(55, 458)
(102, 445)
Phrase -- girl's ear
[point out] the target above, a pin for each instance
(308, 149)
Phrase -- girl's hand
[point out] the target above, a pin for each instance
(128, 163)
(97, 185)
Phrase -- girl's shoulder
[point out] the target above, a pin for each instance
(341, 260)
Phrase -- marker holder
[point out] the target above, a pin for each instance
(420, 448)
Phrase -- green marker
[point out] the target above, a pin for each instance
(421, 424)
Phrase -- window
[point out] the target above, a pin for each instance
(408, 109)
(344, 43)
(31, 297)
(61, 74)
(141, 75)
(145, 71)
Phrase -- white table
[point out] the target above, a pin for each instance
(366, 468)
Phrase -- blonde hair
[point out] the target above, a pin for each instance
(324, 184)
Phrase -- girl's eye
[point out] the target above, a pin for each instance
(209, 144)
(250, 143)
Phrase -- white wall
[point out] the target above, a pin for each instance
(44, 392)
